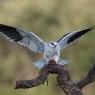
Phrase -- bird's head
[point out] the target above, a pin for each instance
(53, 44)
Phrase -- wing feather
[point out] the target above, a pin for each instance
(23, 37)
(70, 37)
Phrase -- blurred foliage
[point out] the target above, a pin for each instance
(49, 19)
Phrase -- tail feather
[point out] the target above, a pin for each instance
(40, 63)
(62, 62)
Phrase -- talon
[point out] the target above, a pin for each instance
(52, 62)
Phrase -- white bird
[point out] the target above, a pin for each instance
(51, 50)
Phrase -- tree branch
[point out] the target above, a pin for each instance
(64, 81)
(89, 78)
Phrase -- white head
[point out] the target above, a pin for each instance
(53, 44)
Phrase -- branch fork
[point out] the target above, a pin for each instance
(64, 81)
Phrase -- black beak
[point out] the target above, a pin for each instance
(54, 45)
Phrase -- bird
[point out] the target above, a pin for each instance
(51, 50)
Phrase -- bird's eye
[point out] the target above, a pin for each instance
(52, 43)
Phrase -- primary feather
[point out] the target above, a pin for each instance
(70, 37)
(23, 37)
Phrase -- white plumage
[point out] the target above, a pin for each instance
(51, 50)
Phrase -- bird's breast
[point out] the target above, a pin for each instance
(51, 54)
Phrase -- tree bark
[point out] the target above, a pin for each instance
(64, 81)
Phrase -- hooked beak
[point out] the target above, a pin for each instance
(55, 45)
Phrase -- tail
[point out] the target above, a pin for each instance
(62, 62)
(40, 63)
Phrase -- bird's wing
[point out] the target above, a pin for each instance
(70, 37)
(22, 37)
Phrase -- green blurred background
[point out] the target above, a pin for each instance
(49, 19)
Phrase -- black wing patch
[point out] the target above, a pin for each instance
(78, 34)
(11, 32)
(62, 37)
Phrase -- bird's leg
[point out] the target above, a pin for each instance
(47, 81)
(52, 61)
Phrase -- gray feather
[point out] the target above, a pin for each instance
(70, 37)
(23, 37)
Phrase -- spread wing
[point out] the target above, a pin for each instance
(22, 37)
(70, 37)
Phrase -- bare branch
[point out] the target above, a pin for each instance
(88, 79)
(64, 81)
(32, 83)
